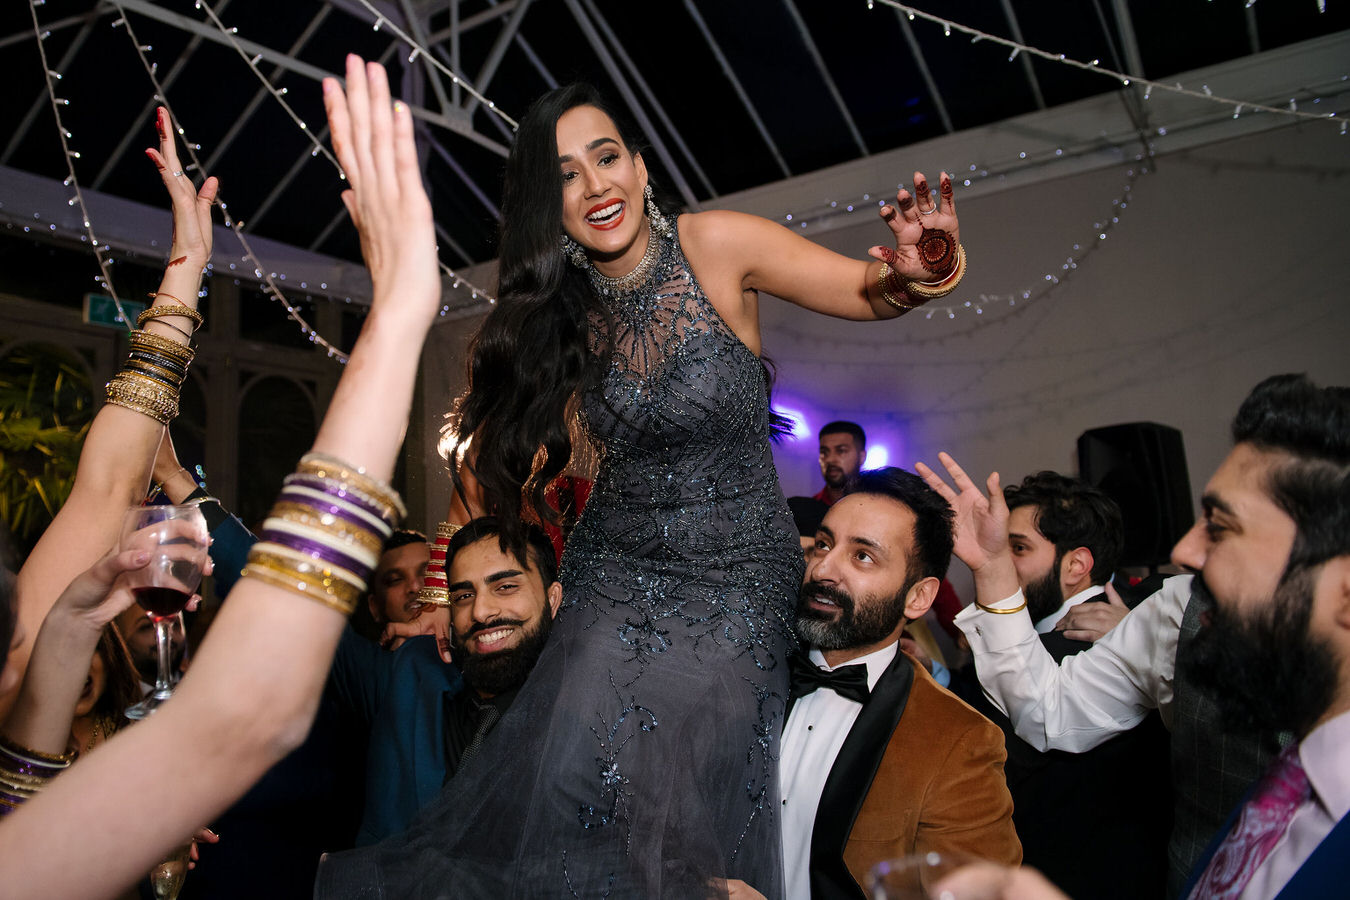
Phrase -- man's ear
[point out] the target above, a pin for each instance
(1076, 565)
(373, 605)
(554, 596)
(1337, 573)
(920, 597)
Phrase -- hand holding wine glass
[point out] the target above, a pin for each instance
(175, 536)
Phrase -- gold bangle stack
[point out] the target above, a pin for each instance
(932, 290)
(355, 480)
(24, 772)
(917, 293)
(152, 376)
(324, 534)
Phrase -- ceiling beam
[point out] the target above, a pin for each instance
(1253, 33)
(819, 60)
(602, 53)
(736, 86)
(921, 62)
(451, 122)
(471, 22)
(262, 93)
(24, 35)
(43, 101)
(494, 57)
(617, 46)
(419, 34)
(305, 156)
(1027, 69)
(453, 163)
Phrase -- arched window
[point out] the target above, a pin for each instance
(276, 427)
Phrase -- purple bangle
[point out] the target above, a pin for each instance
(328, 508)
(327, 486)
(317, 550)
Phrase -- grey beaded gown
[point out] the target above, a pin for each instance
(640, 759)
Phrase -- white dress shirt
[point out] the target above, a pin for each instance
(1105, 690)
(1047, 624)
(815, 731)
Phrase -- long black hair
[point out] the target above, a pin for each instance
(533, 354)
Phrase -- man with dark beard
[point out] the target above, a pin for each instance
(1066, 538)
(1265, 641)
(843, 447)
(424, 720)
(877, 760)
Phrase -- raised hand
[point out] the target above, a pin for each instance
(191, 247)
(980, 528)
(926, 231)
(373, 140)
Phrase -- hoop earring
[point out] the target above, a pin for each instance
(658, 221)
(575, 253)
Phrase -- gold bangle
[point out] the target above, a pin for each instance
(333, 599)
(23, 754)
(351, 534)
(151, 341)
(324, 466)
(144, 366)
(311, 578)
(310, 566)
(152, 402)
(883, 285)
(1002, 612)
(447, 530)
(159, 312)
(934, 290)
(434, 596)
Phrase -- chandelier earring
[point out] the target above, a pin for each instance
(659, 223)
(575, 253)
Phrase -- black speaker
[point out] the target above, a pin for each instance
(1142, 466)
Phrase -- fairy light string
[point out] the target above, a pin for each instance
(50, 76)
(229, 34)
(1095, 66)
(418, 50)
(235, 225)
(1019, 301)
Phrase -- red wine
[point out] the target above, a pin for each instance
(161, 602)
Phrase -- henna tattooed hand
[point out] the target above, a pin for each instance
(926, 231)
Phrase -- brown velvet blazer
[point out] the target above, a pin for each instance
(919, 771)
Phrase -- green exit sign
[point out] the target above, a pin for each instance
(100, 309)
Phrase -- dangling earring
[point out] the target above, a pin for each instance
(659, 222)
(575, 253)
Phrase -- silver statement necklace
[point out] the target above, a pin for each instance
(638, 276)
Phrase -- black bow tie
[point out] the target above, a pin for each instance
(849, 682)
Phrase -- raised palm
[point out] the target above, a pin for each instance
(980, 527)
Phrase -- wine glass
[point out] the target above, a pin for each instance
(168, 875)
(917, 877)
(175, 536)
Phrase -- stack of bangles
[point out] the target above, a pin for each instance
(24, 772)
(904, 294)
(435, 589)
(325, 532)
(154, 372)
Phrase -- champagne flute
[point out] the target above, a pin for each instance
(176, 538)
(167, 877)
